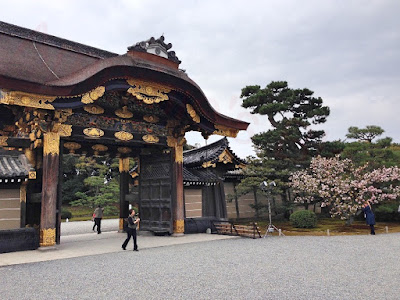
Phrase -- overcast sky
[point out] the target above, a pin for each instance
(347, 52)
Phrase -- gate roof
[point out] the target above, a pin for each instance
(39, 63)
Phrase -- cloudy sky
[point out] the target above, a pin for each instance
(347, 52)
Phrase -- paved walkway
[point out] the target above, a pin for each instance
(89, 244)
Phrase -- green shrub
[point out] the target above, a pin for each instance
(387, 212)
(303, 219)
(111, 211)
(65, 214)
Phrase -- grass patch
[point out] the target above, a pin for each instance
(82, 213)
(335, 226)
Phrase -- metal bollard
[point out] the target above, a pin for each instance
(386, 229)
(327, 232)
(280, 232)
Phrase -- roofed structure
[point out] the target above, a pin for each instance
(14, 166)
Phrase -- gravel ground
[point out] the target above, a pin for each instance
(79, 227)
(347, 267)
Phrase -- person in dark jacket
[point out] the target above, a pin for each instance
(133, 221)
(369, 216)
(98, 215)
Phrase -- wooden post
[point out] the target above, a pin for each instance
(177, 185)
(123, 190)
(51, 150)
(22, 194)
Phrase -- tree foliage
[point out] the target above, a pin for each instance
(342, 186)
(291, 142)
(366, 134)
(290, 112)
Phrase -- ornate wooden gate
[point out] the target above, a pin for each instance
(155, 193)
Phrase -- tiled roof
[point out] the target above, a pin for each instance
(211, 152)
(13, 164)
(199, 176)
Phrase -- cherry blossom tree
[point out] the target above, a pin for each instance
(342, 186)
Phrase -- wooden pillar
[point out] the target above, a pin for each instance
(51, 150)
(123, 190)
(177, 185)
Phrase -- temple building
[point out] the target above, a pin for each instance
(59, 96)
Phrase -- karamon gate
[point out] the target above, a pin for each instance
(59, 96)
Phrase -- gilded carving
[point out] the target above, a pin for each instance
(72, 147)
(148, 92)
(3, 141)
(151, 119)
(99, 148)
(208, 164)
(195, 117)
(124, 113)
(93, 95)
(94, 109)
(225, 157)
(51, 143)
(65, 130)
(47, 237)
(124, 150)
(27, 99)
(134, 174)
(177, 144)
(225, 131)
(179, 226)
(124, 164)
(93, 132)
(123, 135)
(151, 139)
(62, 114)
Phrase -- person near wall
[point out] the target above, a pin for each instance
(133, 222)
(369, 216)
(98, 215)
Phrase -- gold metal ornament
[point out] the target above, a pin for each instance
(32, 175)
(151, 139)
(93, 132)
(124, 164)
(123, 135)
(179, 226)
(99, 148)
(47, 237)
(151, 119)
(72, 147)
(192, 113)
(225, 131)
(94, 109)
(124, 113)
(27, 99)
(22, 193)
(148, 92)
(51, 143)
(3, 141)
(124, 150)
(93, 95)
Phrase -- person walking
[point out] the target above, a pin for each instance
(369, 216)
(133, 222)
(98, 215)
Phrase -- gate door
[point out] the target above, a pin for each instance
(155, 193)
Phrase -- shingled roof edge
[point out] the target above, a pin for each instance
(54, 41)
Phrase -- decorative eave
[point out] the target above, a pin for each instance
(101, 70)
(14, 167)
